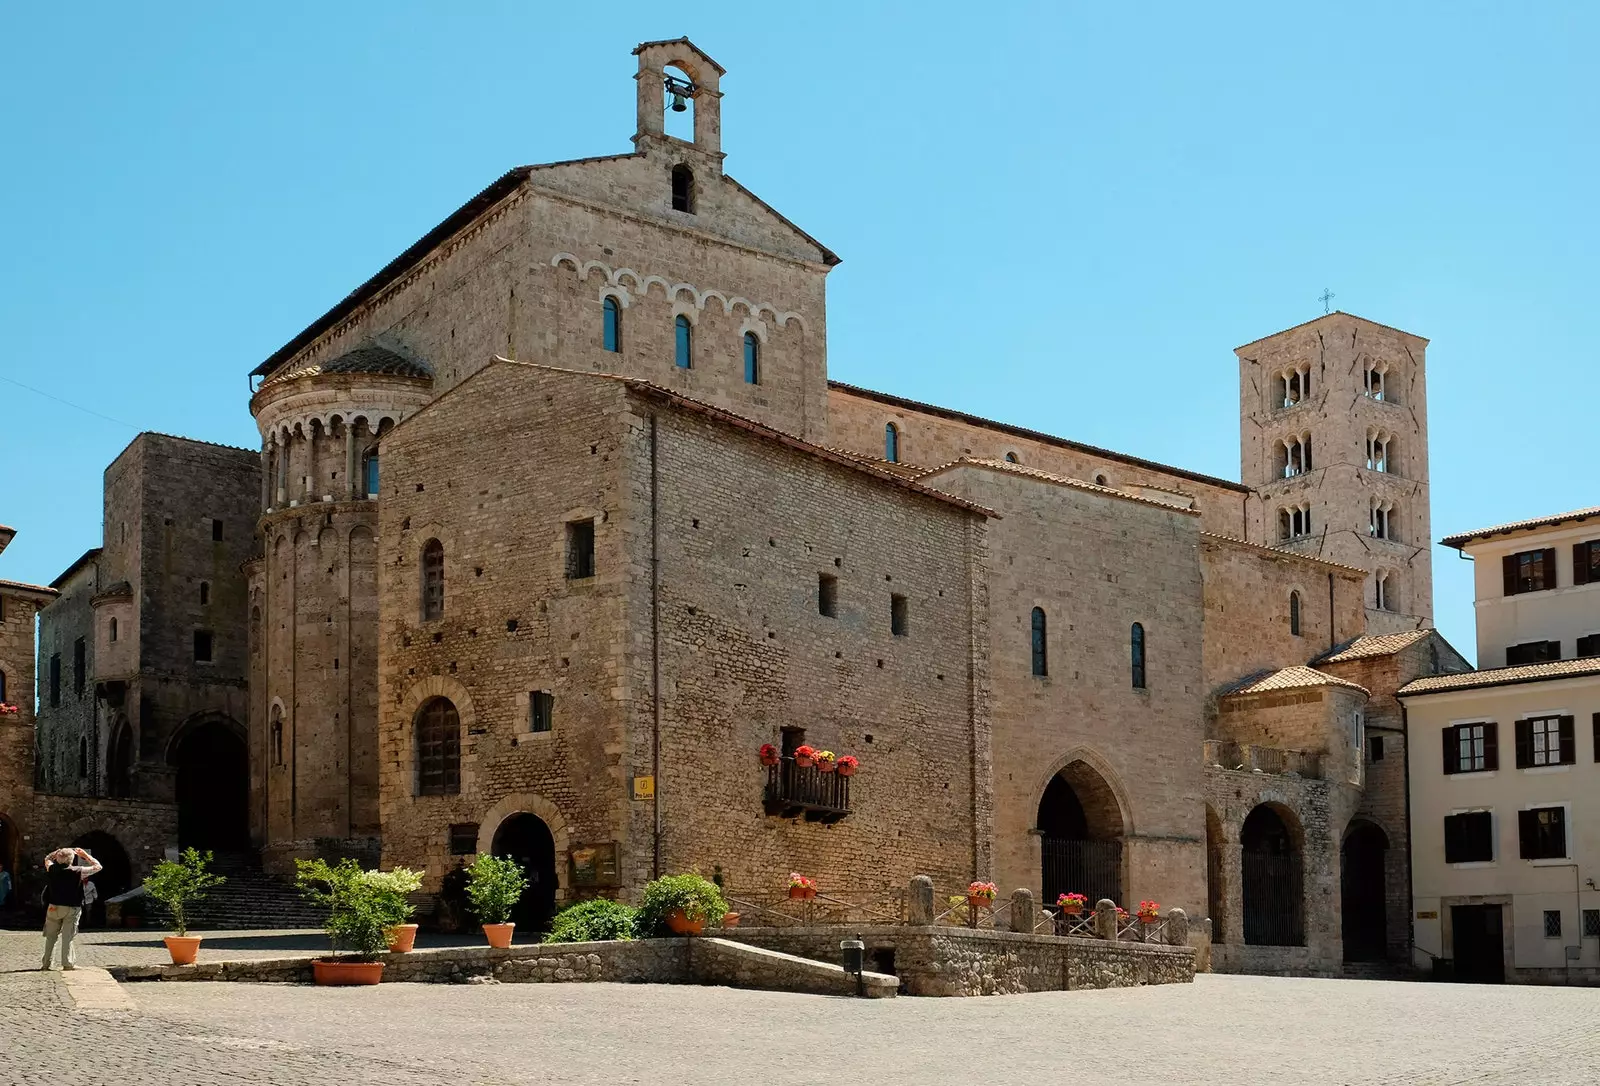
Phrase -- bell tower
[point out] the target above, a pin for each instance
(1333, 442)
(677, 75)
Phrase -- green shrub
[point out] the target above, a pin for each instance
(696, 896)
(362, 905)
(495, 885)
(591, 921)
(176, 883)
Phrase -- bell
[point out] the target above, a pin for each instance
(678, 104)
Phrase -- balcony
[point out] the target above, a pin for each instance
(794, 790)
(1251, 758)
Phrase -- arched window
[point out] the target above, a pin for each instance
(1041, 649)
(1294, 613)
(113, 636)
(613, 324)
(682, 188)
(1011, 458)
(1100, 480)
(432, 581)
(752, 359)
(438, 748)
(891, 443)
(277, 735)
(369, 472)
(685, 342)
(1136, 642)
(119, 759)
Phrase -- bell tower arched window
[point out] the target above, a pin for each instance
(613, 325)
(683, 352)
(432, 581)
(682, 188)
(752, 359)
(891, 443)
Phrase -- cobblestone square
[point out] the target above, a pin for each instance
(1236, 1031)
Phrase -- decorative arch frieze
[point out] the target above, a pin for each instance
(621, 278)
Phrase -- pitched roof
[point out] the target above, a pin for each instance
(1502, 676)
(1457, 541)
(1279, 552)
(37, 591)
(1298, 677)
(1033, 435)
(365, 359)
(1329, 317)
(1057, 480)
(642, 46)
(84, 559)
(1368, 646)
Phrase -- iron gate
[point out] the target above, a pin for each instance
(1274, 910)
(1090, 868)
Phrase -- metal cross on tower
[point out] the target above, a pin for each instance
(1325, 297)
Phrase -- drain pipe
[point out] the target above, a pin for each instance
(655, 652)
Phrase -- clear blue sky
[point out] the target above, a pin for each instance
(1064, 216)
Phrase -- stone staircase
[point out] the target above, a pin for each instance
(1380, 971)
(251, 898)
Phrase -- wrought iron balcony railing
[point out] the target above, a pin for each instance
(794, 790)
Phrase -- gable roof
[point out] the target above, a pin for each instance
(642, 46)
(1458, 541)
(1279, 552)
(368, 358)
(1297, 677)
(37, 592)
(1331, 317)
(1502, 676)
(1368, 646)
(84, 559)
(1033, 435)
(1057, 480)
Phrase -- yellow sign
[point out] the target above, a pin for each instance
(644, 788)
(1428, 915)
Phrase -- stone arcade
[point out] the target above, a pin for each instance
(558, 518)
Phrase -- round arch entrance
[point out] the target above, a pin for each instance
(1080, 836)
(213, 786)
(1363, 907)
(114, 877)
(1272, 880)
(526, 839)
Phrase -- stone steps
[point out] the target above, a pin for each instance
(250, 899)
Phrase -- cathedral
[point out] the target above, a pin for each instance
(561, 544)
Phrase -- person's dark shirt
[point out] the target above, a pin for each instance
(63, 886)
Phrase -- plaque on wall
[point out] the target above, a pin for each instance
(592, 865)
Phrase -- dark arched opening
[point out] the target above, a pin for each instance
(10, 852)
(1363, 904)
(525, 838)
(1216, 889)
(1272, 880)
(114, 877)
(213, 787)
(1080, 836)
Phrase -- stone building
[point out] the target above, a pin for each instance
(559, 520)
(19, 603)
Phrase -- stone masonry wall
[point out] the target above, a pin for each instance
(75, 719)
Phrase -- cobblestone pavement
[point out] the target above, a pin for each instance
(1233, 1031)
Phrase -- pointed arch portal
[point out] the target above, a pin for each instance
(1080, 828)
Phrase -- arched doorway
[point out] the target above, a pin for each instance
(10, 853)
(114, 877)
(1362, 900)
(525, 838)
(119, 760)
(213, 786)
(1080, 836)
(1216, 890)
(1272, 880)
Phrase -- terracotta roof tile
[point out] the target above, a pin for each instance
(1520, 525)
(1281, 553)
(1298, 677)
(1362, 648)
(1058, 480)
(1503, 676)
(31, 589)
(368, 359)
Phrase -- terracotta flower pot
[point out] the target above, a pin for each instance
(334, 971)
(1072, 910)
(730, 920)
(811, 892)
(183, 948)
(499, 935)
(402, 937)
(797, 892)
(827, 767)
(804, 762)
(977, 901)
(847, 770)
(681, 924)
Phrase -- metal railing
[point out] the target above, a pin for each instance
(794, 790)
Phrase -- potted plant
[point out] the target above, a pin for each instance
(495, 884)
(768, 754)
(981, 893)
(1148, 912)
(593, 921)
(805, 756)
(362, 908)
(397, 886)
(825, 761)
(800, 886)
(177, 884)
(679, 905)
(1072, 904)
(848, 764)
(7, 709)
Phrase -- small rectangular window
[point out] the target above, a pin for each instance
(580, 550)
(1591, 923)
(205, 593)
(1375, 748)
(541, 707)
(1469, 837)
(78, 666)
(1552, 923)
(1542, 833)
(827, 594)
(899, 616)
(1586, 562)
(216, 529)
(55, 679)
(1529, 571)
(202, 646)
(463, 838)
(1532, 652)
(1546, 740)
(1589, 646)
